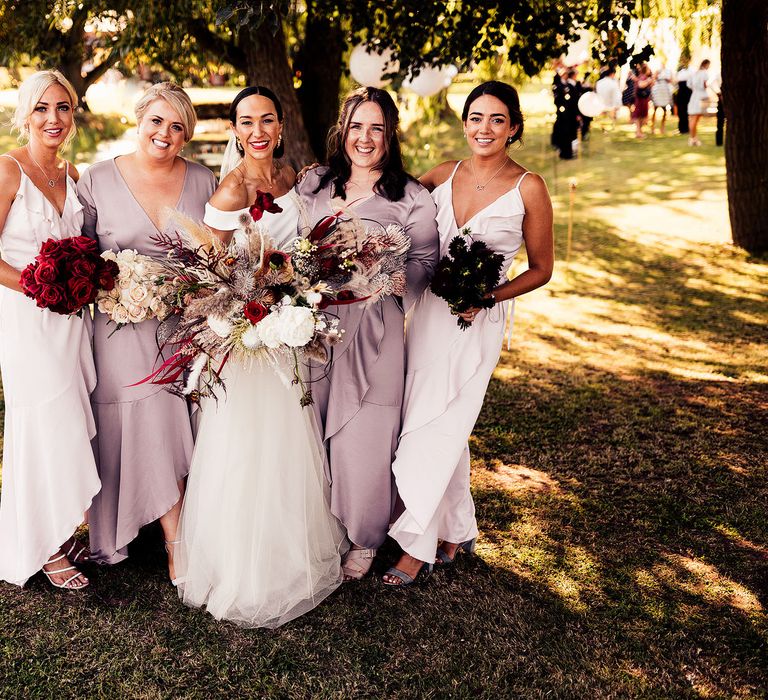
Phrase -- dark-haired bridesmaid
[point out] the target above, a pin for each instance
(359, 399)
(449, 369)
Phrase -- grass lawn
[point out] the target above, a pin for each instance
(619, 476)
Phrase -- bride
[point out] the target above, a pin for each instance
(258, 545)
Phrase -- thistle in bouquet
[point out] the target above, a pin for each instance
(67, 275)
(139, 291)
(344, 259)
(464, 277)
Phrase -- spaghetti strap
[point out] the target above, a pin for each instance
(455, 169)
(8, 155)
(520, 179)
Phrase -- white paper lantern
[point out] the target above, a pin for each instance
(431, 80)
(590, 105)
(368, 68)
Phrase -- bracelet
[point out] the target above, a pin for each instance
(493, 297)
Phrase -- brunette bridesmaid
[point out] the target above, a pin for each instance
(144, 433)
(449, 369)
(49, 475)
(358, 400)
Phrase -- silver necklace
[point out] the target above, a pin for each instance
(51, 182)
(480, 187)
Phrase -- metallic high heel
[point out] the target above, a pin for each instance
(442, 558)
(405, 579)
(168, 545)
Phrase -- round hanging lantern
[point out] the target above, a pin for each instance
(590, 105)
(431, 80)
(368, 68)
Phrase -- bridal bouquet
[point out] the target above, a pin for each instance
(250, 301)
(466, 275)
(67, 274)
(138, 294)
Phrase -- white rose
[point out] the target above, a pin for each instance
(219, 325)
(313, 298)
(120, 314)
(156, 305)
(126, 256)
(136, 313)
(123, 282)
(297, 326)
(106, 305)
(137, 294)
(114, 293)
(250, 339)
(269, 330)
(109, 255)
(166, 289)
(139, 269)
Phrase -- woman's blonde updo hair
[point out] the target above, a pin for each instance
(30, 93)
(176, 97)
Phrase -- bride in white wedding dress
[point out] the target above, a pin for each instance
(258, 545)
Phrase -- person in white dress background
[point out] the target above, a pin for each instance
(448, 369)
(699, 102)
(49, 472)
(258, 544)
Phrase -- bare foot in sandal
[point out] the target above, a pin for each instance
(357, 563)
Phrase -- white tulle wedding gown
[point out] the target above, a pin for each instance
(259, 546)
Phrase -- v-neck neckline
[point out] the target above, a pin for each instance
(59, 214)
(139, 204)
(479, 211)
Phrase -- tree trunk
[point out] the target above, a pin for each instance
(267, 64)
(745, 99)
(320, 63)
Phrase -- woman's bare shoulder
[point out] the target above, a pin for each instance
(232, 194)
(438, 175)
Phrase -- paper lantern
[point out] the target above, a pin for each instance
(368, 68)
(590, 105)
(431, 80)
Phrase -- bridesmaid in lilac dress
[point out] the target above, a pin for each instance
(358, 400)
(144, 433)
(449, 368)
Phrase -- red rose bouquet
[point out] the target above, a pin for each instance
(67, 274)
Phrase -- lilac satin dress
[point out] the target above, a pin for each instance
(144, 441)
(359, 399)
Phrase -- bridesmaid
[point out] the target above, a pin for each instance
(448, 368)
(358, 400)
(145, 433)
(49, 474)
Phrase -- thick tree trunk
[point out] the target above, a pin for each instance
(320, 63)
(267, 64)
(745, 98)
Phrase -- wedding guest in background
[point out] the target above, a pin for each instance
(682, 97)
(699, 102)
(661, 97)
(643, 84)
(716, 86)
(449, 368)
(49, 474)
(358, 400)
(607, 89)
(144, 432)
(565, 131)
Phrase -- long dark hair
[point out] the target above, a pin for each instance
(264, 92)
(393, 178)
(508, 95)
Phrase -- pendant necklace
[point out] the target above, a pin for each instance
(480, 187)
(50, 181)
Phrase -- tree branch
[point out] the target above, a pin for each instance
(212, 43)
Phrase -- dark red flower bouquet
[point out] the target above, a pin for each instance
(67, 274)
